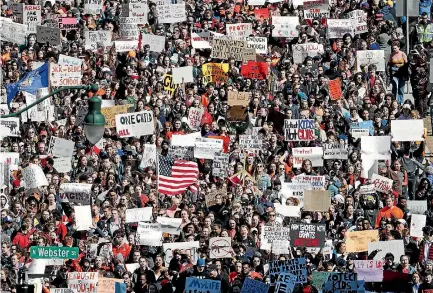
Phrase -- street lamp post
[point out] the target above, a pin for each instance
(94, 122)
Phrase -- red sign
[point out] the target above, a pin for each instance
(256, 70)
(262, 13)
(334, 87)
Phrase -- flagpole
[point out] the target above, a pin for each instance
(157, 180)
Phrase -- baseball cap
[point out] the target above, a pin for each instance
(201, 262)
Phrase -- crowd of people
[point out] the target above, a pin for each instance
(253, 182)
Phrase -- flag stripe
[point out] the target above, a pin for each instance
(182, 175)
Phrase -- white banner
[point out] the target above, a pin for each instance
(156, 43)
(260, 44)
(149, 156)
(65, 75)
(335, 151)
(171, 13)
(13, 32)
(285, 26)
(125, 46)
(314, 154)
(382, 184)
(205, 148)
(367, 57)
(399, 130)
(135, 124)
(138, 215)
(10, 127)
(60, 147)
(337, 28)
(149, 234)
(239, 30)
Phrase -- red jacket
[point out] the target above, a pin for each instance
(22, 240)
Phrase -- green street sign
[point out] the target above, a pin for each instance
(54, 252)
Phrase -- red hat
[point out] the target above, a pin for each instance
(43, 132)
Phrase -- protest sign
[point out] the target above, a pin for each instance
(368, 57)
(416, 206)
(335, 151)
(34, 177)
(285, 26)
(359, 129)
(82, 282)
(294, 192)
(170, 225)
(254, 70)
(202, 285)
(93, 7)
(298, 129)
(201, 38)
(83, 218)
(319, 279)
(399, 130)
(171, 13)
(281, 247)
(130, 31)
(314, 154)
(156, 43)
(317, 200)
(226, 48)
(357, 241)
(68, 23)
(95, 39)
(65, 75)
(81, 114)
(316, 182)
(32, 17)
(396, 247)
(317, 9)
(125, 46)
(360, 20)
(220, 247)
(107, 285)
(270, 233)
(68, 60)
(148, 158)
(260, 44)
(261, 14)
(219, 165)
(249, 142)
(341, 283)
(238, 98)
(301, 51)
(337, 28)
(111, 112)
(334, 87)
(369, 270)
(75, 192)
(17, 10)
(211, 197)
(283, 210)
(285, 283)
(187, 140)
(249, 54)
(10, 127)
(149, 234)
(60, 147)
(376, 147)
(14, 32)
(307, 235)
(239, 30)
(382, 184)
(183, 153)
(169, 86)
(138, 215)
(416, 224)
(138, 9)
(296, 266)
(253, 286)
(182, 74)
(134, 124)
(187, 247)
(62, 165)
(133, 20)
(206, 148)
(215, 72)
(48, 35)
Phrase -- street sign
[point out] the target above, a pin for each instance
(54, 252)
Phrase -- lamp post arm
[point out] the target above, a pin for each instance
(92, 87)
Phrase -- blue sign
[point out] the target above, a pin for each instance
(194, 285)
(253, 286)
(341, 283)
(363, 125)
(296, 266)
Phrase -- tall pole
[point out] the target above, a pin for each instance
(92, 87)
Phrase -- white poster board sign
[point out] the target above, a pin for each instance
(135, 124)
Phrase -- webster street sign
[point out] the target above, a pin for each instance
(54, 252)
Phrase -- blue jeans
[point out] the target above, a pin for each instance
(398, 84)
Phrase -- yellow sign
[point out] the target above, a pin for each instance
(357, 241)
(111, 112)
(168, 84)
(215, 72)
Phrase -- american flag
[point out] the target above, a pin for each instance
(175, 176)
